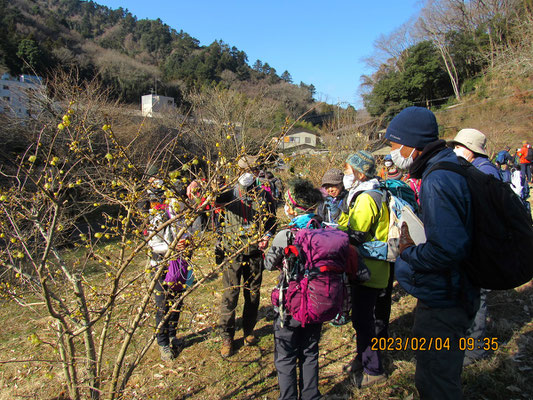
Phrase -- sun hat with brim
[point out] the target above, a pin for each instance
(332, 177)
(472, 139)
(247, 162)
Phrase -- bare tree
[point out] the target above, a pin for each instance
(390, 49)
(435, 21)
(80, 185)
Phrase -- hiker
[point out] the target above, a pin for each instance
(330, 207)
(172, 282)
(277, 187)
(503, 157)
(414, 184)
(248, 211)
(431, 271)
(525, 153)
(394, 173)
(471, 145)
(506, 173)
(520, 186)
(369, 222)
(296, 344)
(383, 305)
(387, 164)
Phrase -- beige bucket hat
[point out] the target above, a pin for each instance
(472, 139)
(247, 162)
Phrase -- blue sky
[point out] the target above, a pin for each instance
(318, 42)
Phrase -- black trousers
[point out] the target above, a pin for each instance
(383, 307)
(296, 348)
(164, 299)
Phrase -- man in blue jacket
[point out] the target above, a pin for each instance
(471, 144)
(431, 271)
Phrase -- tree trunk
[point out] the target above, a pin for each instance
(450, 68)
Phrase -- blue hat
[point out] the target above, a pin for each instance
(413, 127)
(363, 162)
(388, 157)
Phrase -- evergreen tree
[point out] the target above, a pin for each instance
(285, 76)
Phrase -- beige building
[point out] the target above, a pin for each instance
(298, 139)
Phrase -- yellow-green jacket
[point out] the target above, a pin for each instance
(365, 217)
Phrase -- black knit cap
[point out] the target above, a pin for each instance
(302, 196)
(332, 177)
(413, 127)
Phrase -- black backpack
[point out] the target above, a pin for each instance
(529, 155)
(502, 241)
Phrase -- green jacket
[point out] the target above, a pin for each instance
(248, 215)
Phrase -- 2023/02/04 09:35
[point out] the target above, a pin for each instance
(432, 343)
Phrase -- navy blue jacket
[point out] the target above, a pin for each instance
(485, 166)
(431, 271)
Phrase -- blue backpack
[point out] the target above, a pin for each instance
(500, 158)
(397, 195)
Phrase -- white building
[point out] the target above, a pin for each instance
(154, 103)
(18, 96)
(298, 139)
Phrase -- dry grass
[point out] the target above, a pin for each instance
(200, 373)
(504, 112)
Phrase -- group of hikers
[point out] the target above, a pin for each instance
(514, 169)
(335, 235)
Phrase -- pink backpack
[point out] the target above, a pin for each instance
(312, 288)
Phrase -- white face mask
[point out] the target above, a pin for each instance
(246, 179)
(286, 208)
(462, 152)
(400, 161)
(388, 163)
(348, 181)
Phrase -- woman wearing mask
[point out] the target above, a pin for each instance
(296, 346)
(367, 218)
(330, 209)
(383, 172)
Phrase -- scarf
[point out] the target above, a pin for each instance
(419, 165)
(362, 187)
(301, 221)
(333, 204)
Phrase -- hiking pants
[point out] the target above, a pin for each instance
(249, 268)
(477, 330)
(363, 320)
(525, 172)
(438, 371)
(297, 348)
(383, 307)
(164, 299)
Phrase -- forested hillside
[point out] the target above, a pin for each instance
(454, 48)
(132, 56)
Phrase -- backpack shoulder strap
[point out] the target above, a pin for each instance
(378, 195)
(449, 166)
(314, 223)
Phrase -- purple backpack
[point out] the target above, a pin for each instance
(176, 277)
(312, 287)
